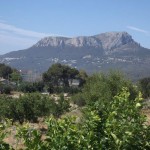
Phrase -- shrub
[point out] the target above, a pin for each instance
(101, 88)
(3, 134)
(122, 127)
(31, 106)
(144, 86)
(7, 89)
(78, 99)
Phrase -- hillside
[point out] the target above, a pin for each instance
(92, 53)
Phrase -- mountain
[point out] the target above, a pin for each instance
(92, 53)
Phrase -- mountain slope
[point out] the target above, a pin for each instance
(93, 53)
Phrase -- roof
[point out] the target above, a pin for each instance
(2, 79)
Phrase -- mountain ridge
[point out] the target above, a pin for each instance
(100, 52)
(106, 40)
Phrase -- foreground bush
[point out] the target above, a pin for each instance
(3, 134)
(78, 99)
(28, 87)
(31, 106)
(101, 88)
(144, 86)
(121, 128)
(112, 119)
(5, 89)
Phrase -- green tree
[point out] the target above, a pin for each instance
(15, 76)
(26, 87)
(101, 88)
(144, 86)
(29, 107)
(5, 71)
(59, 75)
(82, 76)
(5, 89)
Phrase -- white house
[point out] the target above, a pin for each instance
(74, 82)
(3, 81)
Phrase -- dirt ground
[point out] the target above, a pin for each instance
(147, 113)
(17, 143)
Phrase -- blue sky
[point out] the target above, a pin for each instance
(24, 22)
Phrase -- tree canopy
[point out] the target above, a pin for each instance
(59, 75)
(9, 73)
(5, 71)
(144, 86)
(100, 88)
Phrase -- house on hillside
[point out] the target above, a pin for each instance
(30, 75)
(4, 81)
(74, 83)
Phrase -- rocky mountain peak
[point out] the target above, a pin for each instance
(107, 41)
(112, 40)
(83, 41)
(51, 41)
(80, 41)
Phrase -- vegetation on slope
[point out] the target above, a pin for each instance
(112, 117)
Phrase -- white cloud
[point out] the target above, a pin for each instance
(10, 43)
(14, 38)
(138, 29)
(22, 32)
(11, 40)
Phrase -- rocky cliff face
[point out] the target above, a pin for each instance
(51, 41)
(112, 40)
(92, 53)
(107, 41)
(69, 42)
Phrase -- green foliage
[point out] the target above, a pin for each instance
(144, 86)
(28, 87)
(15, 76)
(58, 76)
(3, 134)
(39, 86)
(121, 128)
(31, 106)
(62, 106)
(112, 118)
(101, 88)
(5, 71)
(32, 138)
(60, 89)
(9, 73)
(82, 76)
(5, 89)
(63, 134)
(78, 99)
